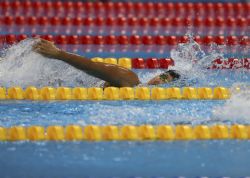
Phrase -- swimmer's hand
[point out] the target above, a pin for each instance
(46, 48)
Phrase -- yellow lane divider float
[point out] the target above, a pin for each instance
(113, 93)
(123, 133)
(124, 62)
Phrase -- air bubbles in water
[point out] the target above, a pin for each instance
(192, 61)
(236, 109)
(20, 66)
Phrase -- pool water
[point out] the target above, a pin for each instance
(114, 159)
(121, 159)
(129, 159)
(126, 159)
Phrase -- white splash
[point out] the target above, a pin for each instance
(192, 61)
(237, 108)
(20, 66)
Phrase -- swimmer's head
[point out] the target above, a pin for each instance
(166, 77)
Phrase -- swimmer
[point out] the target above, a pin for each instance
(113, 75)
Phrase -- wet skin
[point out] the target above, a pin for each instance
(114, 75)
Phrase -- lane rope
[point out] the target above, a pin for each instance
(136, 40)
(124, 133)
(114, 93)
(155, 22)
(165, 63)
(128, 7)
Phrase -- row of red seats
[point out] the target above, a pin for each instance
(164, 63)
(131, 21)
(134, 39)
(124, 6)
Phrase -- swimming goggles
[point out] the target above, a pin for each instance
(164, 77)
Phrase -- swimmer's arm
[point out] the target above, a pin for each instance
(114, 74)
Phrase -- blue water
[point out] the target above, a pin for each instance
(190, 159)
(107, 112)
(125, 159)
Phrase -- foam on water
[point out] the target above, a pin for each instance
(192, 61)
(20, 66)
(236, 109)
